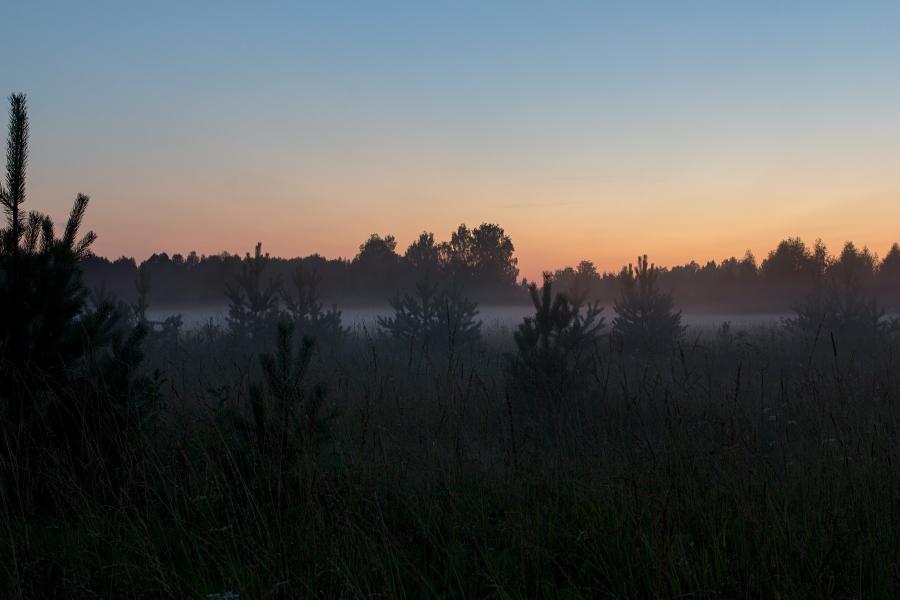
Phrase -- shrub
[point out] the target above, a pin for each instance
(305, 308)
(555, 347)
(433, 317)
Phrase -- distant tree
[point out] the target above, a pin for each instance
(587, 271)
(789, 261)
(731, 281)
(253, 300)
(424, 254)
(456, 253)
(378, 250)
(842, 303)
(747, 270)
(586, 278)
(192, 259)
(646, 321)
(888, 277)
(483, 256)
(855, 264)
(791, 270)
(583, 278)
(493, 259)
(563, 278)
(377, 266)
(890, 266)
(820, 259)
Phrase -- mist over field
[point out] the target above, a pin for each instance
(493, 316)
(517, 300)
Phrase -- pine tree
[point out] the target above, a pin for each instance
(646, 322)
(288, 414)
(458, 322)
(304, 307)
(415, 315)
(554, 348)
(41, 295)
(53, 345)
(433, 317)
(253, 301)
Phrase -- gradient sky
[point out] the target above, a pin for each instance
(589, 130)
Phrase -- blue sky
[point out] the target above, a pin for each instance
(589, 130)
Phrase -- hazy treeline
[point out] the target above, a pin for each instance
(787, 275)
(483, 263)
(481, 260)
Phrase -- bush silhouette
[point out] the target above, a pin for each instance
(554, 348)
(303, 307)
(433, 317)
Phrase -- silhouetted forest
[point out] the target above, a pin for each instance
(482, 262)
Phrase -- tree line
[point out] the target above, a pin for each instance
(482, 262)
(776, 284)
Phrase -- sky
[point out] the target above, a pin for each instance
(588, 130)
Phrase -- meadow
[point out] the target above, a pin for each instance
(738, 465)
(564, 451)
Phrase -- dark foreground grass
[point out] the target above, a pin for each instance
(689, 478)
(820, 534)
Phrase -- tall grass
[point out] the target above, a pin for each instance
(744, 465)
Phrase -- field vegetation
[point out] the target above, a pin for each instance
(588, 453)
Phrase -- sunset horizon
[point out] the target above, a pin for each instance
(613, 265)
(595, 133)
(470, 299)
